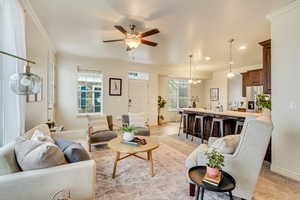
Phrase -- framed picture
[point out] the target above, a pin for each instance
(214, 94)
(115, 87)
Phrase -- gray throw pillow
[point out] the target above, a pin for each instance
(74, 152)
(33, 154)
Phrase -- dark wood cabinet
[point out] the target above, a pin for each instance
(252, 78)
(267, 65)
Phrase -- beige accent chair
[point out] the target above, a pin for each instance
(246, 162)
(96, 137)
(79, 178)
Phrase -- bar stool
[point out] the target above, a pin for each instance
(183, 120)
(220, 121)
(238, 124)
(200, 120)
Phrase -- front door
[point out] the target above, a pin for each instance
(138, 96)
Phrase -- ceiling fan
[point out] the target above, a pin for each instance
(133, 39)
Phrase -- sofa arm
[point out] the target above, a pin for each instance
(79, 178)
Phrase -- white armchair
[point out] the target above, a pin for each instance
(245, 164)
(79, 178)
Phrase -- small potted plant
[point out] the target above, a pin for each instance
(128, 133)
(263, 102)
(215, 163)
(161, 103)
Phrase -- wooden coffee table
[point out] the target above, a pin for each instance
(119, 148)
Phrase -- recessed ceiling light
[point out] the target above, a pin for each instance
(243, 47)
(207, 58)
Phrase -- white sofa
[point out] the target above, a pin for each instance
(42, 184)
(245, 164)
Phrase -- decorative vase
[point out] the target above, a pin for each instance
(128, 136)
(266, 112)
(212, 172)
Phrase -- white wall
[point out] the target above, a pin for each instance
(219, 80)
(38, 50)
(286, 91)
(235, 89)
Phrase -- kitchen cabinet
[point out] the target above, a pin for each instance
(252, 78)
(267, 65)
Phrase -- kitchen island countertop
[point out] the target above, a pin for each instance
(225, 113)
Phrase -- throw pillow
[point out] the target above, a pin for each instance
(42, 137)
(8, 163)
(137, 119)
(227, 144)
(99, 123)
(33, 154)
(74, 152)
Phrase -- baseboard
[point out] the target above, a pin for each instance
(285, 172)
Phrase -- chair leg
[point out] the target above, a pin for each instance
(194, 129)
(192, 189)
(222, 128)
(180, 125)
(90, 147)
(201, 129)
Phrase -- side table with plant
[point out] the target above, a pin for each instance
(215, 162)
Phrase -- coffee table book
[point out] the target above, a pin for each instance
(215, 181)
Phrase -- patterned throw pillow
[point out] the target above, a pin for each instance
(42, 137)
(33, 154)
(99, 123)
(227, 144)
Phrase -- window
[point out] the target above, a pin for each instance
(90, 92)
(138, 75)
(179, 94)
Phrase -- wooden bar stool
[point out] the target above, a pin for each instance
(220, 122)
(200, 120)
(183, 121)
(238, 125)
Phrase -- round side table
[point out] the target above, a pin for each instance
(197, 174)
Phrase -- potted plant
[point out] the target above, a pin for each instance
(215, 163)
(161, 104)
(128, 133)
(263, 102)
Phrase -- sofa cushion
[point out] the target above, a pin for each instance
(227, 144)
(33, 154)
(74, 152)
(99, 123)
(137, 119)
(142, 131)
(101, 136)
(41, 136)
(8, 162)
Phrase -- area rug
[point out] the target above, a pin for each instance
(133, 180)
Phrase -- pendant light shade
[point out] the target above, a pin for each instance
(230, 74)
(191, 80)
(25, 83)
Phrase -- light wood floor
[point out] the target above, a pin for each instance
(270, 186)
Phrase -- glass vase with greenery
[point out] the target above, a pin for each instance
(263, 101)
(215, 162)
(161, 103)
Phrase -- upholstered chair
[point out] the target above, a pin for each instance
(95, 135)
(140, 130)
(246, 162)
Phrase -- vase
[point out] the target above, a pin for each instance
(128, 136)
(212, 172)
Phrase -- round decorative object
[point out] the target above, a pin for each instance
(62, 195)
(25, 83)
(128, 136)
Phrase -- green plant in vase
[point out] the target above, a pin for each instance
(128, 133)
(264, 104)
(215, 162)
(161, 103)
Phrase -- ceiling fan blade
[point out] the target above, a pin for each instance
(153, 44)
(121, 29)
(118, 40)
(151, 32)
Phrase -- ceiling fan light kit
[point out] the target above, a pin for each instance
(134, 38)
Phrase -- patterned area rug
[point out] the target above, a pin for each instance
(133, 180)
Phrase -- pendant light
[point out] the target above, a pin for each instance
(191, 81)
(230, 74)
(25, 83)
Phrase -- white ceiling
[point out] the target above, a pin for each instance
(201, 27)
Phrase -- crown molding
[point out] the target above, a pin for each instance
(29, 11)
(283, 10)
